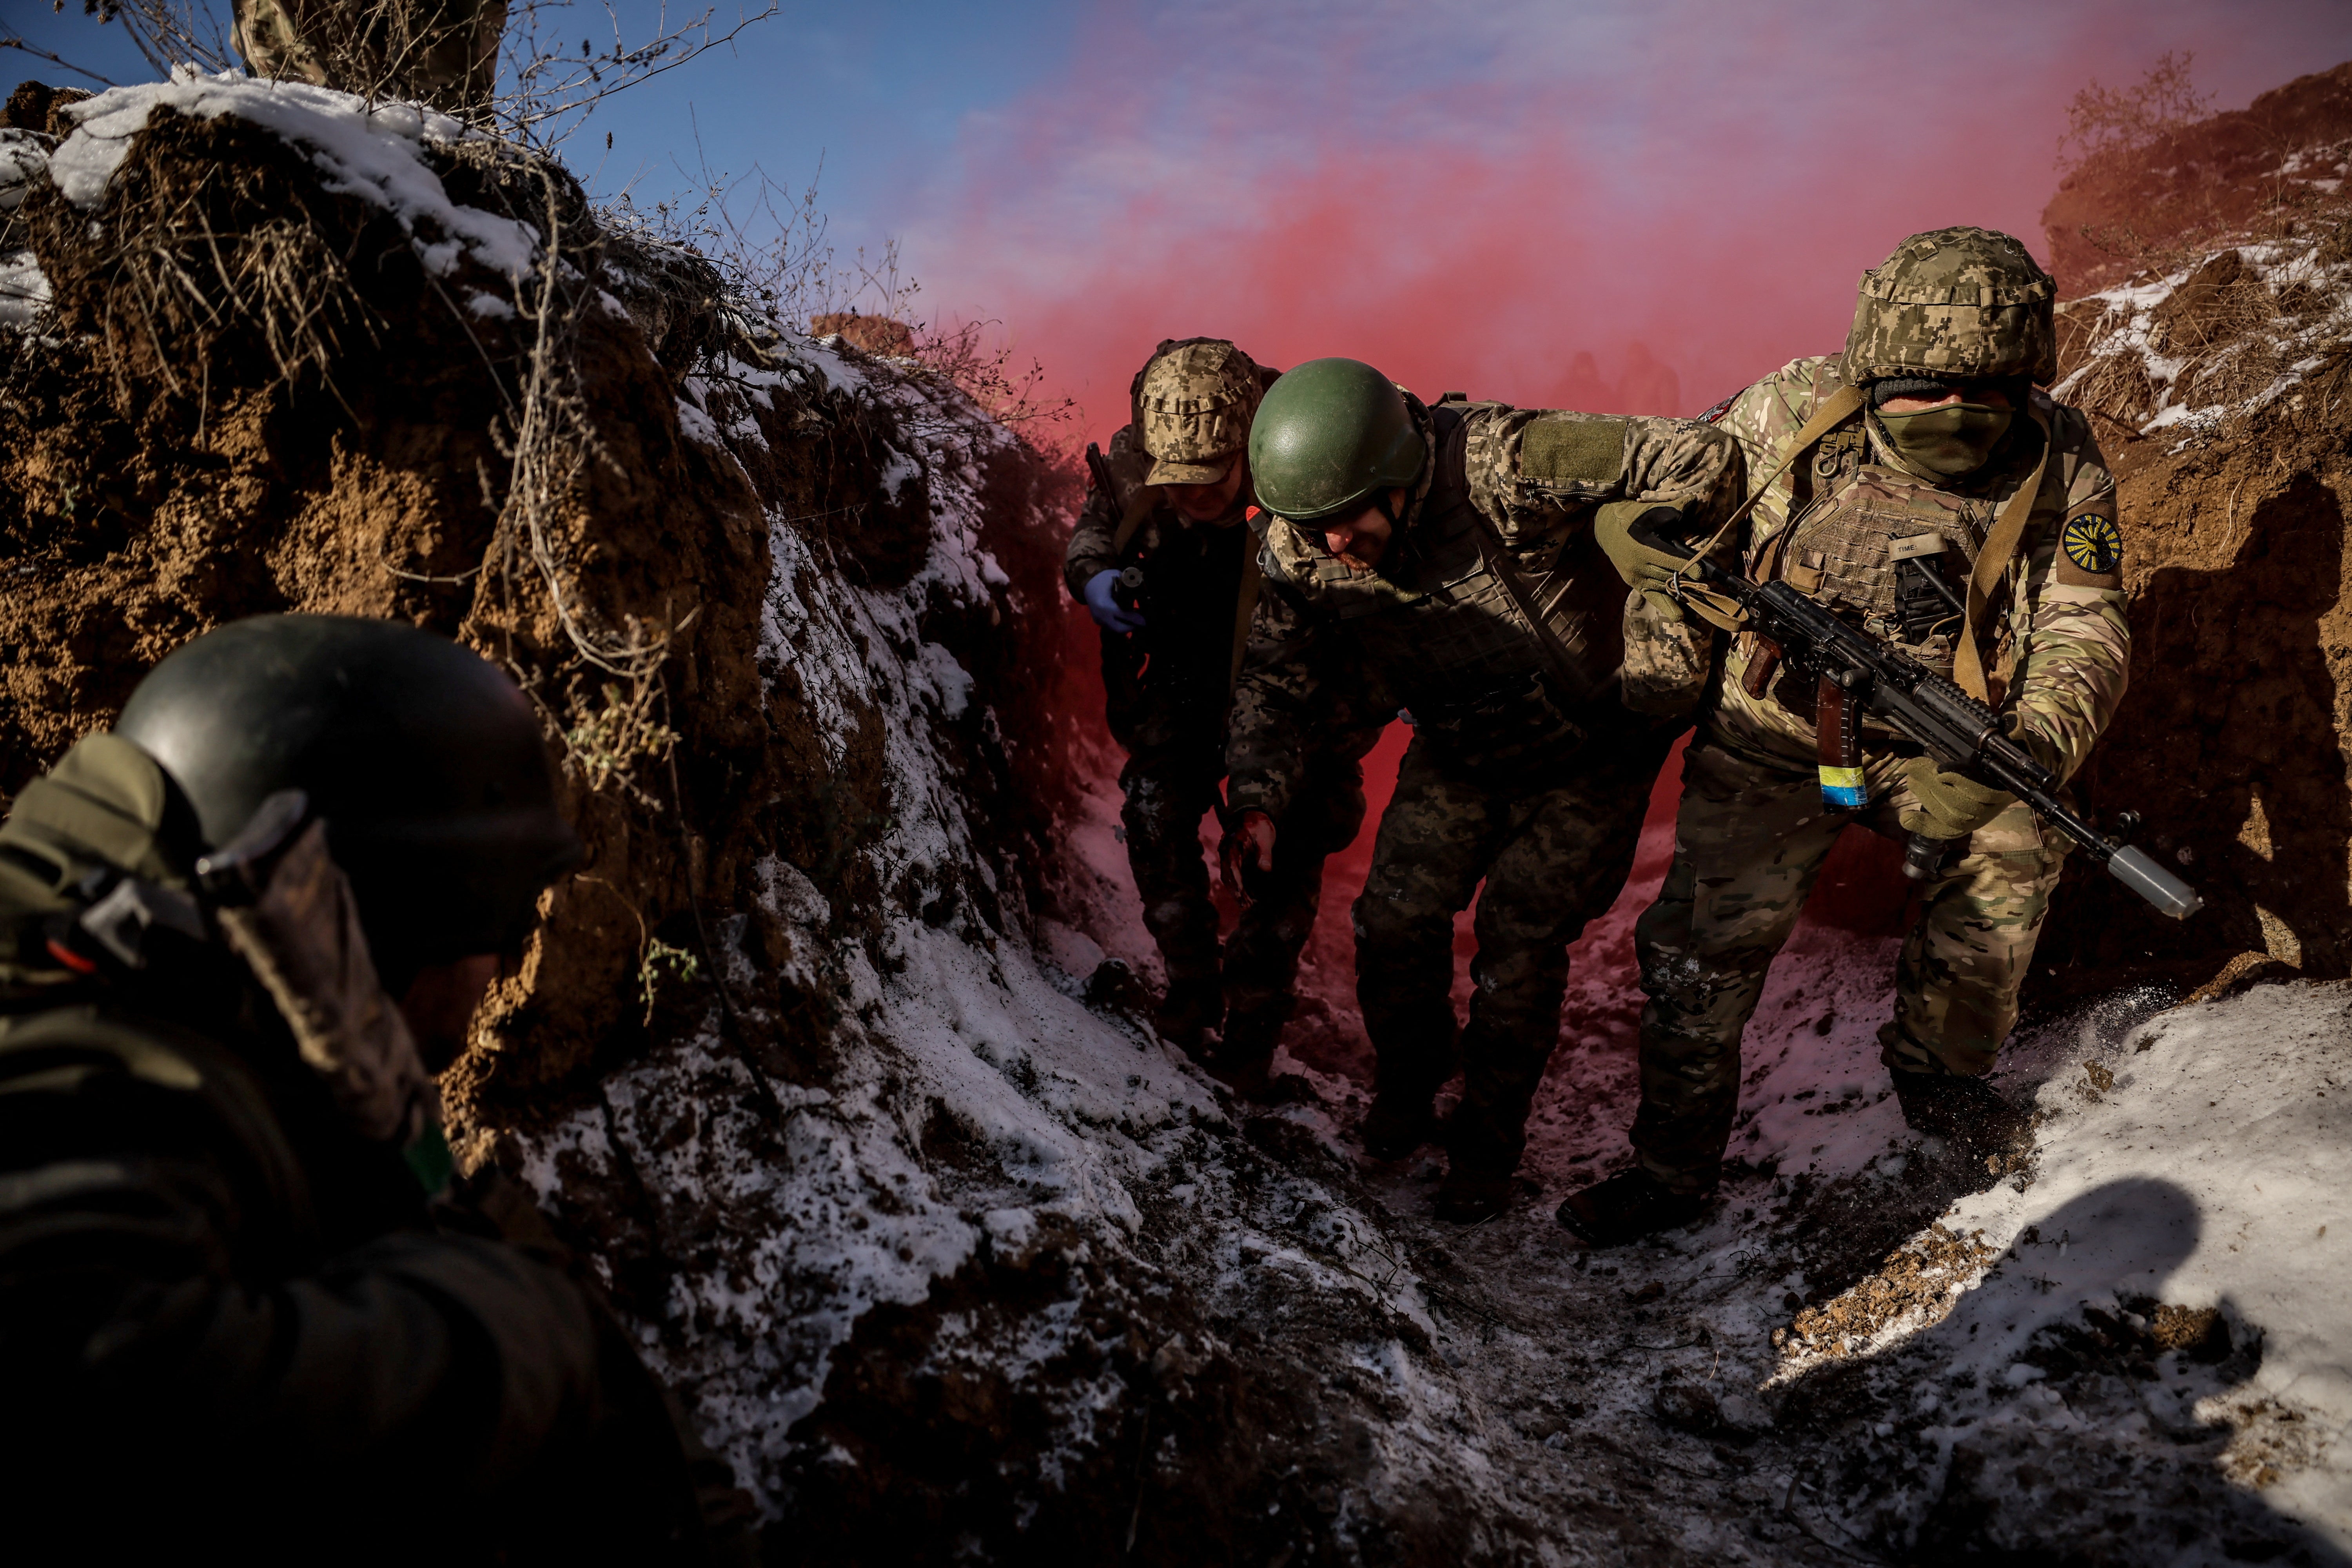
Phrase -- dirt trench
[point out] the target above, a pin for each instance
(791, 1061)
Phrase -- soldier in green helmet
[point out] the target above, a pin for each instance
(1927, 447)
(244, 1300)
(1175, 512)
(1445, 557)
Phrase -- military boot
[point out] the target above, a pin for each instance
(1244, 1059)
(1469, 1195)
(1628, 1207)
(1190, 1007)
(1963, 1111)
(1399, 1121)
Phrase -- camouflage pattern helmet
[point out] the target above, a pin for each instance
(1330, 434)
(1954, 303)
(1192, 408)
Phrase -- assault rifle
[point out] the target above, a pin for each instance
(1859, 673)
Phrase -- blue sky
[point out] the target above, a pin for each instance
(1475, 195)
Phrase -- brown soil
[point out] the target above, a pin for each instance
(174, 455)
(2234, 739)
(2122, 210)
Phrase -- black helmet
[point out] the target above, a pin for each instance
(424, 758)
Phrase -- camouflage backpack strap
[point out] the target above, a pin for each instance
(1992, 565)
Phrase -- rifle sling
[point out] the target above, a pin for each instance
(1139, 506)
(1992, 565)
(1835, 410)
(1575, 683)
(1244, 609)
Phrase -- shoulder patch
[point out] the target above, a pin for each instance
(1572, 449)
(1715, 415)
(2091, 550)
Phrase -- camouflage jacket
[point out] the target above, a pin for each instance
(2058, 647)
(1437, 629)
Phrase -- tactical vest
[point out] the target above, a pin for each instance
(1873, 543)
(1442, 630)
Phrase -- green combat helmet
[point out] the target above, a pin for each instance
(424, 760)
(1329, 436)
(1194, 405)
(1954, 303)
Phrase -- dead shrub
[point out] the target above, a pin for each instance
(212, 264)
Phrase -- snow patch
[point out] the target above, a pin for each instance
(371, 150)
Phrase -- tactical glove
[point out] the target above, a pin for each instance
(1949, 807)
(1644, 569)
(1108, 613)
(1248, 845)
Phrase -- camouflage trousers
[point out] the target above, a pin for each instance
(1169, 788)
(1553, 851)
(1750, 838)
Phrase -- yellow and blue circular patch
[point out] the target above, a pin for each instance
(2094, 544)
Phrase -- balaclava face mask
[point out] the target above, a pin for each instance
(1946, 442)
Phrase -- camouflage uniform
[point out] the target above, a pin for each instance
(1753, 829)
(1170, 689)
(441, 52)
(1525, 771)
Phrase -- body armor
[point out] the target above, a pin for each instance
(1445, 634)
(1890, 551)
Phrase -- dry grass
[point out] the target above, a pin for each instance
(177, 272)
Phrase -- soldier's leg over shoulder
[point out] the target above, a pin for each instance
(1966, 957)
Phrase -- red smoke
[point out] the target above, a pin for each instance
(1648, 241)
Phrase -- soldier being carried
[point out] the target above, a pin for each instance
(1920, 470)
(1173, 510)
(1445, 556)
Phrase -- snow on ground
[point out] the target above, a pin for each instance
(1870, 1349)
(2233, 330)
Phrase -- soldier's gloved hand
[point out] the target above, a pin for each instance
(1949, 807)
(1108, 613)
(1248, 844)
(1644, 569)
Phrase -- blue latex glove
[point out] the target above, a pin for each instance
(1108, 613)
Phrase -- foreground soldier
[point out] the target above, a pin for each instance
(1926, 447)
(243, 1303)
(1176, 510)
(1448, 555)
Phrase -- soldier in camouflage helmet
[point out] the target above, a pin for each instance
(1445, 556)
(1173, 507)
(1927, 447)
(441, 52)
